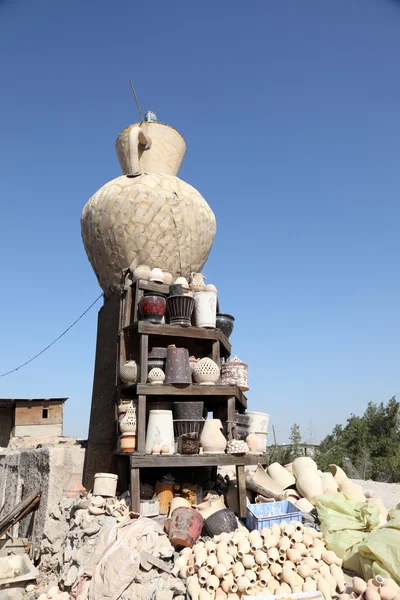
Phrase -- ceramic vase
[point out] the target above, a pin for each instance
(235, 372)
(205, 309)
(206, 372)
(196, 282)
(225, 324)
(132, 219)
(142, 272)
(180, 309)
(127, 442)
(212, 438)
(128, 423)
(309, 484)
(185, 527)
(152, 308)
(302, 464)
(156, 376)
(177, 368)
(160, 430)
(128, 372)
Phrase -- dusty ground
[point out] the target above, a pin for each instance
(389, 493)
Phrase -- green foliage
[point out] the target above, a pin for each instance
(286, 454)
(368, 447)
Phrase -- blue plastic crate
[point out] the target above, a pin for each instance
(266, 514)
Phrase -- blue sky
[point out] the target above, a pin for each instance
(290, 111)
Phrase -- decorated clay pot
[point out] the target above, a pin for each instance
(156, 376)
(225, 324)
(148, 214)
(175, 289)
(127, 442)
(206, 372)
(180, 309)
(205, 309)
(152, 308)
(142, 272)
(235, 372)
(177, 368)
(128, 423)
(157, 358)
(212, 438)
(128, 372)
(196, 282)
(185, 527)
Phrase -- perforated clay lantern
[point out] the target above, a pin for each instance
(148, 215)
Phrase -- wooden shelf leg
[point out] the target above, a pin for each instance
(144, 354)
(216, 352)
(231, 418)
(135, 489)
(141, 425)
(241, 490)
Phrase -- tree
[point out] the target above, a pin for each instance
(295, 440)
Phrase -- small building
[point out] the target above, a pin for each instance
(30, 417)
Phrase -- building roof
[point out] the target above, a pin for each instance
(15, 400)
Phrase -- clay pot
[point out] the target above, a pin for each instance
(252, 442)
(196, 282)
(225, 324)
(127, 442)
(389, 589)
(212, 583)
(308, 483)
(160, 430)
(228, 583)
(185, 527)
(353, 491)
(202, 574)
(275, 570)
(371, 594)
(244, 585)
(128, 422)
(310, 585)
(304, 505)
(235, 372)
(304, 571)
(323, 587)
(330, 558)
(205, 309)
(142, 272)
(263, 480)
(248, 561)
(337, 574)
(279, 474)
(221, 520)
(329, 483)
(264, 577)
(206, 372)
(156, 275)
(128, 372)
(212, 439)
(220, 570)
(178, 502)
(156, 376)
(180, 309)
(338, 474)
(251, 576)
(238, 570)
(168, 277)
(177, 368)
(152, 308)
(303, 463)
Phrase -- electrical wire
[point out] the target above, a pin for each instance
(53, 342)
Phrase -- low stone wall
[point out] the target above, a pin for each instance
(53, 469)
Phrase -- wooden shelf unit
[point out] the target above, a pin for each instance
(134, 340)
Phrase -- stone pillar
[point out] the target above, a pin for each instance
(102, 438)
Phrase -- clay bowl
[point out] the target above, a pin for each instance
(221, 521)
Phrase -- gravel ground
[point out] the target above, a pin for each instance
(389, 493)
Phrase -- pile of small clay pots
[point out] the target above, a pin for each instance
(284, 559)
(374, 589)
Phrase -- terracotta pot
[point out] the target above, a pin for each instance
(212, 438)
(206, 372)
(303, 463)
(309, 484)
(127, 442)
(279, 474)
(264, 481)
(185, 528)
(177, 368)
(152, 308)
(180, 309)
(328, 482)
(304, 505)
(235, 372)
(225, 323)
(353, 491)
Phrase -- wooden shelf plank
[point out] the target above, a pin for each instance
(220, 391)
(141, 327)
(140, 461)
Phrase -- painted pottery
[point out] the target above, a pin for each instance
(205, 309)
(212, 439)
(152, 308)
(175, 289)
(302, 464)
(177, 368)
(164, 492)
(180, 309)
(128, 423)
(168, 277)
(156, 275)
(132, 218)
(127, 442)
(142, 272)
(160, 430)
(188, 410)
(185, 527)
(128, 371)
(235, 372)
(156, 376)
(338, 474)
(225, 324)
(206, 372)
(196, 282)
(122, 408)
(279, 474)
(309, 484)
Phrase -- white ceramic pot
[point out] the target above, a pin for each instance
(142, 272)
(309, 484)
(280, 475)
(206, 372)
(212, 439)
(156, 275)
(205, 309)
(105, 484)
(128, 372)
(128, 423)
(302, 464)
(258, 424)
(156, 376)
(160, 430)
(168, 277)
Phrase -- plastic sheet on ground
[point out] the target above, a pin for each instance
(116, 559)
(345, 525)
(380, 552)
